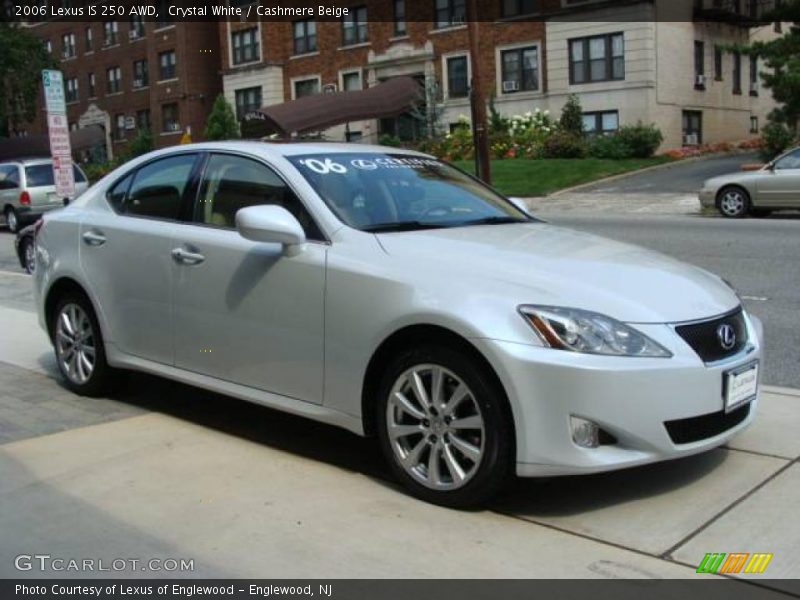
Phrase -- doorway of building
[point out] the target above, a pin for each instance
(410, 125)
(692, 127)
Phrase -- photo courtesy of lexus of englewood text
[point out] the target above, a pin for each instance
(399, 299)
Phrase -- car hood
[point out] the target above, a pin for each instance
(538, 263)
(741, 177)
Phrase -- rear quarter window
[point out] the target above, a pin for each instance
(39, 175)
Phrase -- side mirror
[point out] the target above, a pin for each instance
(520, 204)
(273, 224)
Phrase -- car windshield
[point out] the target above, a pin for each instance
(42, 175)
(399, 192)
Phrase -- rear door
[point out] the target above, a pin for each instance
(9, 186)
(780, 187)
(244, 311)
(126, 255)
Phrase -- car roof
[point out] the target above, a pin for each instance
(284, 149)
(27, 161)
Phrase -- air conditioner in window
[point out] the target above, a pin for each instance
(173, 127)
(329, 88)
(511, 86)
(137, 83)
(134, 34)
(690, 139)
(700, 80)
(754, 86)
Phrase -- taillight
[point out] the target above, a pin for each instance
(24, 197)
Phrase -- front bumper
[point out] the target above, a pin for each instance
(629, 398)
(708, 198)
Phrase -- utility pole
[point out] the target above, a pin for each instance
(480, 132)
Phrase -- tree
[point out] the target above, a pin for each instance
(781, 56)
(141, 144)
(23, 58)
(572, 116)
(221, 123)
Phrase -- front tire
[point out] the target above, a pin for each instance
(733, 202)
(12, 219)
(79, 348)
(444, 426)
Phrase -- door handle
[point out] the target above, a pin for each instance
(184, 257)
(94, 238)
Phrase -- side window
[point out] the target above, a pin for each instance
(9, 177)
(234, 182)
(158, 188)
(116, 195)
(790, 161)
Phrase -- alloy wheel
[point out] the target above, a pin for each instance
(435, 427)
(75, 343)
(30, 257)
(733, 203)
(11, 221)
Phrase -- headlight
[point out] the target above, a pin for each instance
(589, 332)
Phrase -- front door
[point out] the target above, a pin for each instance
(244, 311)
(781, 186)
(126, 254)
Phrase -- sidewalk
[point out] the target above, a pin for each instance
(248, 492)
(616, 203)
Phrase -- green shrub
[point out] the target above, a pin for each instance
(96, 171)
(609, 146)
(642, 140)
(572, 116)
(564, 144)
(776, 138)
(388, 139)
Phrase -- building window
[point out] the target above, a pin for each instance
(598, 58)
(169, 118)
(119, 127)
(520, 69)
(601, 122)
(516, 8)
(450, 13)
(88, 38)
(91, 88)
(354, 26)
(737, 73)
(162, 10)
(351, 81)
(137, 27)
(113, 80)
(68, 45)
(143, 119)
(692, 127)
(699, 65)
(141, 77)
(457, 77)
(305, 36)
(71, 94)
(754, 76)
(166, 65)
(753, 124)
(245, 46)
(306, 87)
(400, 17)
(247, 100)
(110, 33)
(717, 63)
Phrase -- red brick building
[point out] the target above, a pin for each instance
(125, 75)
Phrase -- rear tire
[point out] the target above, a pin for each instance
(78, 343)
(453, 447)
(733, 202)
(28, 252)
(12, 219)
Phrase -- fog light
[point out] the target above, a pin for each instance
(584, 433)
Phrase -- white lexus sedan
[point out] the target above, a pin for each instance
(388, 293)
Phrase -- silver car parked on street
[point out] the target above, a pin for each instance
(27, 190)
(387, 292)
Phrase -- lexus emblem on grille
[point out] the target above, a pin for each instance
(726, 336)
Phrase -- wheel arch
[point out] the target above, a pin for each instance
(58, 289)
(728, 186)
(414, 336)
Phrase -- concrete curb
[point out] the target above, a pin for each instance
(668, 165)
(784, 391)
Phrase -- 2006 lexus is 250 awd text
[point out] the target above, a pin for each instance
(388, 293)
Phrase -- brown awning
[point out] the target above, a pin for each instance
(36, 146)
(318, 112)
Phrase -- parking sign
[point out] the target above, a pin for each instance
(58, 132)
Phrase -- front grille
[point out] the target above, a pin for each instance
(694, 429)
(703, 338)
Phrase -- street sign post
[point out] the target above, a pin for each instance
(58, 132)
